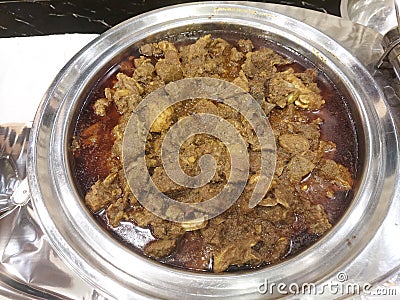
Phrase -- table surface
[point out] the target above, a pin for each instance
(38, 17)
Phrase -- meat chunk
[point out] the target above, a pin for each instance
(236, 254)
(286, 88)
(169, 69)
(294, 143)
(262, 61)
(151, 50)
(103, 193)
(164, 121)
(160, 248)
(100, 106)
(335, 172)
(298, 167)
(245, 46)
(163, 182)
(116, 211)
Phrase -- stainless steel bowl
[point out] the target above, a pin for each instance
(120, 273)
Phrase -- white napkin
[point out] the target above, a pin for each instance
(28, 65)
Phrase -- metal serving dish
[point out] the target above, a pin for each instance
(119, 273)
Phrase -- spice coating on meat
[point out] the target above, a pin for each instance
(240, 236)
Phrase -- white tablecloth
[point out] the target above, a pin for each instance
(28, 65)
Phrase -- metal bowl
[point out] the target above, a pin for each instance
(120, 273)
